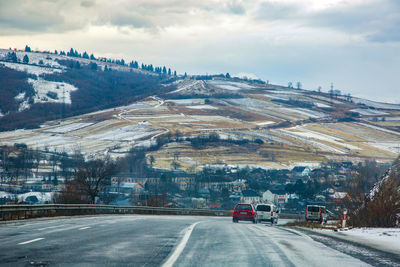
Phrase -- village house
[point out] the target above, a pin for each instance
(250, 196)
(300, 172)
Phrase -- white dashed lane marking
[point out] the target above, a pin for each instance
(31, 241)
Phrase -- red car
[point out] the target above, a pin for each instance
(244, 212)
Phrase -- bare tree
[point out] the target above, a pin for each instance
(93, 176)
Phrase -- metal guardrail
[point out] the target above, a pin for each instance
(16, 212)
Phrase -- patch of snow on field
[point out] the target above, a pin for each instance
(280, 97)
(42, 87)
(4, 194)
(189, 85)
(392, 118)
(202, 107)
(322, 105)
(69, 127)
(291, 92)
(232, 86)
(196, 124)
(379, 128)
(265, 123)
(35, 70)
(306, 112)
(247, 102)
(369, 112)
(391, 146)
(126, 133)
(376, 104)
(20, 96)
(135, 106)
(311, 165)
(34, 58)
(307, 140)
(186, 101)
(320, 136)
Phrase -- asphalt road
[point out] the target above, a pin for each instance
(133, 240)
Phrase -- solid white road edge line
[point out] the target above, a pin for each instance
(83, 228)
(177, 252)
(30, 241)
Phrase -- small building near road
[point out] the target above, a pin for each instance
(250, 196)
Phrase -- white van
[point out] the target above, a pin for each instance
(267, 213)
(316, 213)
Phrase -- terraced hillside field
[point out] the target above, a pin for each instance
(296, 127)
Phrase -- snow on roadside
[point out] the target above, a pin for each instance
(386, 239)
(42, 197)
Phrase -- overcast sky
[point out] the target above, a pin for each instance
(353, 43)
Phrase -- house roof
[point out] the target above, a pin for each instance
(131, 185)
(339, 195)
(299, 168)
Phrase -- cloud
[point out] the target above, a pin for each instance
(41, 16)
(376, 21)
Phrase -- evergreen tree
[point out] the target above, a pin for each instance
(85, 55)
(105, 68)
(227, 75)
(92, 57)
(164, 70)
(27, 48)
(185, 75)
(12, 56)
(56, 52)
(26, 59)
(169, 71)
(175, 73)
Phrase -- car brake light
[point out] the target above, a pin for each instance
(252, 213)
(320, 211)
(272, 213)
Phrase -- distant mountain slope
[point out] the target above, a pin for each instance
(53, 87)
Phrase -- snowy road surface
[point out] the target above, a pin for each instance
(135, 240)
